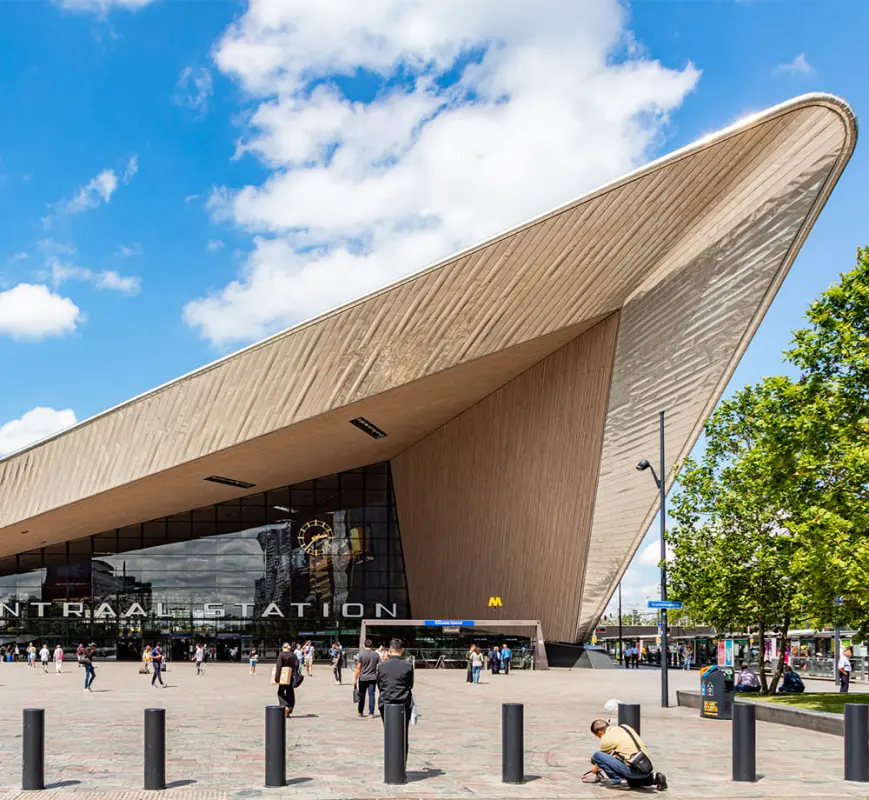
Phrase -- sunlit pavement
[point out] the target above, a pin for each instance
(215, 724)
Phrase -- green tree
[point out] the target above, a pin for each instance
(736, 541)
(832, 352)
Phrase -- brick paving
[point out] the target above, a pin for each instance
(215, 737)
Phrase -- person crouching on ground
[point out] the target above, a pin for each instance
(623, 760)
(285, 675)
(746, 681)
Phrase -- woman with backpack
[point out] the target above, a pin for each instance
(287, 676)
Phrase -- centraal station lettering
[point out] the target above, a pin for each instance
(209, 610)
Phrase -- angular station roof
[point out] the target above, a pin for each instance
(689, 251)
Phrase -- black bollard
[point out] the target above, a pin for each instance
(744, 743)
(513, 743)
(33, 762)
(276, 746)
(856, 742)
(155, 748)
(629, 714)
(394, 745)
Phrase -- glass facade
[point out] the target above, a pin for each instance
(308, 560)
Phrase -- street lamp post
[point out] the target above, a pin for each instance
(659, 482)
(621, 643)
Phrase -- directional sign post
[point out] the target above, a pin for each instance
(670, 605)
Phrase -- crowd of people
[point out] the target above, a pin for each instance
(499, 660)
(681, 655)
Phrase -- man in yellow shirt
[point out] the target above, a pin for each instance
(619, 746)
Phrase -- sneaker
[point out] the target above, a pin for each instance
(660, 781)
(360, 714)
(621, 785)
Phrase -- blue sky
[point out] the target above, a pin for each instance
(180, 179)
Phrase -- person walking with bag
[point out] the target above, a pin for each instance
(285, 676)
(157, 661)
(365, 679)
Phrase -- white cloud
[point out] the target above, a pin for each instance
(799, 66)
(97, 190)
(650, 555)
(496, 113)
(33, 311)
(194, 87)
(128, 251)
(32, 427)
(103, 6)
(126, 284)
(22, 256)
(214, 244)
(189, 198)
(62, 272)
(131, 169)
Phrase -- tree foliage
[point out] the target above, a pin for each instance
(773, 521)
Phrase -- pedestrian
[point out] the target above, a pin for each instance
(90, 671)
(157, 662)
(687, 663)
(623, 760)
(337, 654)
(365, 678)
(845, 671)
(495, 660)
(79, 654)
(58, 659)
(286, 670)
(15, 654)
(477, 660)
(31, 655)
(308, 652)
(506, 658)
(44, 655)
(297, 652)
(146, 659)
(253, 659)
(199, 658)
(395, 683)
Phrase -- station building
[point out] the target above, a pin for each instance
(458, 445)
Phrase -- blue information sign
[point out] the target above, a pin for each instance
(668, 604)
(449, 623)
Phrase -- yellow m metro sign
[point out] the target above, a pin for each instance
(495, 602)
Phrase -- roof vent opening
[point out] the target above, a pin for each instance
(230, 482)
(368, 427)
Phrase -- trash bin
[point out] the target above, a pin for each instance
(716, 690)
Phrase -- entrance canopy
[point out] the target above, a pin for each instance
(483, 625)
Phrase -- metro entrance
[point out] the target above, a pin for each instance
(443, 644)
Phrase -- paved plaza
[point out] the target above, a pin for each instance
(215, 737)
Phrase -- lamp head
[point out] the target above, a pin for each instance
(643, 465)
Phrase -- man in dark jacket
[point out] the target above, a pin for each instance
(395, 683)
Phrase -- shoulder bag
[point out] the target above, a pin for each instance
(639, 761)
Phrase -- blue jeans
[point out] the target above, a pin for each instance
(475, 673)
(90, 675)
(615, 769)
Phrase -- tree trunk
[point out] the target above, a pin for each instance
(781, 662)
(764, 687)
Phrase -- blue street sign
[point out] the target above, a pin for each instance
(674, 605)
(449, 623)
